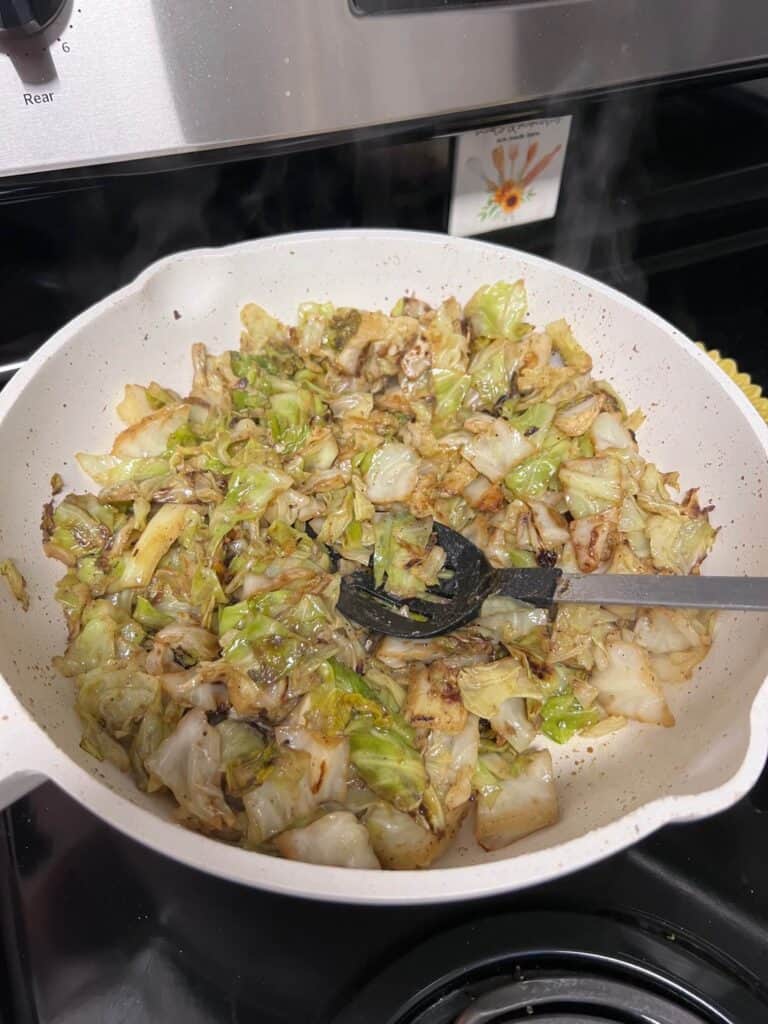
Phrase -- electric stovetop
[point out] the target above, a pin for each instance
(98, 929)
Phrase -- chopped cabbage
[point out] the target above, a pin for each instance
(484, 688)
(535, 475)
(388, 762)
(162, 530)
(402, 842)
(433, 700)
(244, 755)
(249, 492)
(533, 422)
(207, 654)
(16, 582)
(450, 388)
(515, 796)
(627, 686)
(591, 485)
(491, 371)
(566, 346)
(676, 641)
(109, 470)
(512, 723)
(679, 544)
(451, 758)
(188, 762)
(393, 473)
(594, 539)
(496, 448)
(575, 419)
(507, 619)
(562, 717)
(337, 839)
(405, 561)
(608, 431)
(149, 436)
(283, 798)
(497, 310)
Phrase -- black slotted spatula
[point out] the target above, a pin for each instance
(473, 579)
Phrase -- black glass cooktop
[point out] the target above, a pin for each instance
(97, 929)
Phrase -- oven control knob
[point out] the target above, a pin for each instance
(25, 17)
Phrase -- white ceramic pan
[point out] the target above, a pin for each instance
(627, 784)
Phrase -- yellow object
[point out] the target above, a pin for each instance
(742, 380)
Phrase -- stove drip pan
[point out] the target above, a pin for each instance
(570, 998)
(550, 968)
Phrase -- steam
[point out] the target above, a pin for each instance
(595, 226)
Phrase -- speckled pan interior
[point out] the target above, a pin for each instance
(612, 790)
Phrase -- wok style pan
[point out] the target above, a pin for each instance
(613, 790)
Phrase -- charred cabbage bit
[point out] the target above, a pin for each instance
(16, 582)
(206, 652)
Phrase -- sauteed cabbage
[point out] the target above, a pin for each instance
(204, 643)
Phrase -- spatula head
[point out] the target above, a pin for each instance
(455, 602)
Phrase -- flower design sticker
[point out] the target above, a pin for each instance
(509, 175)
(511, 187)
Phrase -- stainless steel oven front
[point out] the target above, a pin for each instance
(86, 82)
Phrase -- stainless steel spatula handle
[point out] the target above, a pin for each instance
(739, 593)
